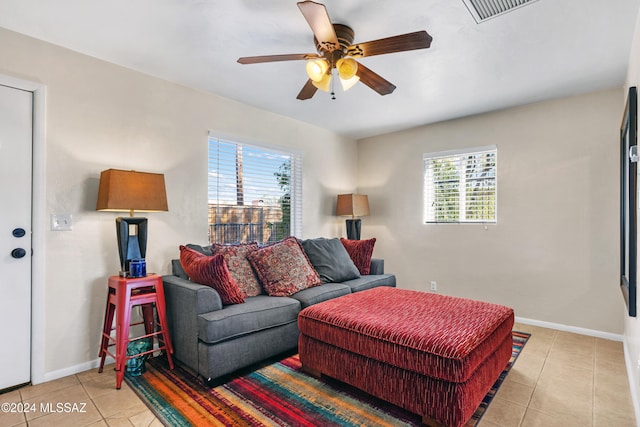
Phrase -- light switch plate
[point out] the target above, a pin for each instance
(61, 222)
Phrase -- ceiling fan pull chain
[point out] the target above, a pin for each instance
(333, 93)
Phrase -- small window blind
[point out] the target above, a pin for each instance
(254, 192)
(461, 186)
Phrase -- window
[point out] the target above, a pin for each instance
(460, 186)
(255, 193)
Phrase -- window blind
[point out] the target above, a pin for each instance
(460, 186)
(254, 192)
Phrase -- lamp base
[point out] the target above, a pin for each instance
(353, 228)
(132, 240)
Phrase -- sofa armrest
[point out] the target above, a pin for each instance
(185, 300)
(377, 266)
(201, 298)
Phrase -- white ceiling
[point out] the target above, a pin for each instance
(547, 49)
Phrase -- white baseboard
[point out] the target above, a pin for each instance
(573, 329)
(76, 369)
(72, 370)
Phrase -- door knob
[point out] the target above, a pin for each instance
(18, 253)
(18, 232)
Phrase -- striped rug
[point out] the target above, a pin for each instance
(278, 394)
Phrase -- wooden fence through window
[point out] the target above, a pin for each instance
(246, 223)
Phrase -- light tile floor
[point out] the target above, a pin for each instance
(565, 380)
(560, 379)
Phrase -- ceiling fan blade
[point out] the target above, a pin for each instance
(401, 43)
(276, 58)
(374, 80)
(318, 19)
(308, 90)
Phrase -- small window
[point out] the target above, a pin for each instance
(255, 193)
(461, 186)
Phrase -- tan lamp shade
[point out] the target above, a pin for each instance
(129, 191)
(352, 205)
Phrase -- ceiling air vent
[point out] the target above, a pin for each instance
(487, 9)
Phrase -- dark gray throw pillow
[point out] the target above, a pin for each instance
(204, 250)
(330, 259)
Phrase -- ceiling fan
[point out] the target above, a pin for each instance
(334, 43)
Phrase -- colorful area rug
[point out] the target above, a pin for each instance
(278, 394)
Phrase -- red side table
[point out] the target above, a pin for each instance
(124, 294)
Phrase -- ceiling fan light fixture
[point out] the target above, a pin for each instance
(349, 83)
(347, 68)
(336, 50)
(317, 69)
(324, 84)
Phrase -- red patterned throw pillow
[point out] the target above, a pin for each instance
(360, 252)
(211, 271)
(283, 268)
(239, 266)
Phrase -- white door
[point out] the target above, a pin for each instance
(16, 133)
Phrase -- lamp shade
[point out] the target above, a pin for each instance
(129, 191)
(352, 205)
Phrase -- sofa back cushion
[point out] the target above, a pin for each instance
(330, 259)
(205, 250)
(283, 268)
(177, 270)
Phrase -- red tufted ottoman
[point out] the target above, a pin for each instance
(434, 355)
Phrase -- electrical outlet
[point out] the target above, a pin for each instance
(434, 286)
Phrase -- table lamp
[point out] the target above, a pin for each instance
(129, 191)
(353, 205)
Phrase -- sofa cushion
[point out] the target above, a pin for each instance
(256, 314)
(321, 293)
(177, 270)
(239, 266)
(377, 266)
(330, 259)
(205, 250)
(283, 268)
(211, 271)
(363, 283)
(360, 252)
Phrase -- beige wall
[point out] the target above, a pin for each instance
(553, 254)
(101, 116)
(632, 324)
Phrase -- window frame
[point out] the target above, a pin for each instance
(295, 175)
(429, 216)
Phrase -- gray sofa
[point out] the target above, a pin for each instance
(215, 339)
